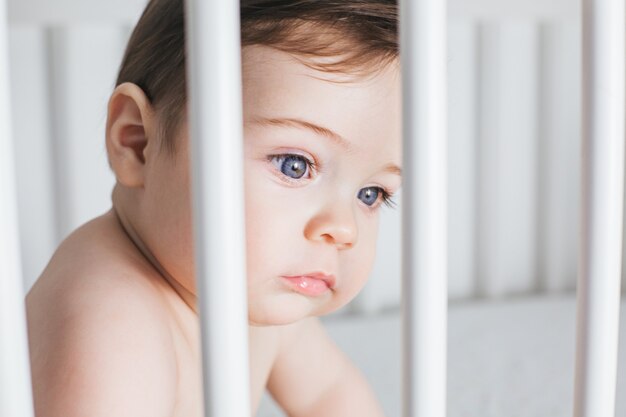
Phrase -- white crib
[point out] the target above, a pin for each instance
(514, 169)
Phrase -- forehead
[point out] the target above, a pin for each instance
(366, 112)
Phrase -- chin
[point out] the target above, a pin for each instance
(284, 310)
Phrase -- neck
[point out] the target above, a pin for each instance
(129, 230)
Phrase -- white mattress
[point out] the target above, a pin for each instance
(505, 358)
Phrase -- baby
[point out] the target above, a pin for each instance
(113, 320)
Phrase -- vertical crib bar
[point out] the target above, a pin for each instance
(604, 72)
(423, 33)
(216, 131)
(15, 381)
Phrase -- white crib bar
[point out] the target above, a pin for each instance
(217, 159)
(604, 87)
(15, 381)
(423, 47)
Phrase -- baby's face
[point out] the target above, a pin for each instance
(313, 198)
(302, 219)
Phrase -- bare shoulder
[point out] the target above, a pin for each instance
(100, 342)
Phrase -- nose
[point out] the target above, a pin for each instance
(334, 224)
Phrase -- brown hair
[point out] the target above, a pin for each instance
(359, 35)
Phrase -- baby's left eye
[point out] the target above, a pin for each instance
(370, 196)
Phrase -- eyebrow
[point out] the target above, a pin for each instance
(320, 130)
(303, 124)
(393, 169)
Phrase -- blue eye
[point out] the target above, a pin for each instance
(369, 195)
(293, 166)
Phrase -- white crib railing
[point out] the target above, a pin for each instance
(216, 120)
(604, 99)
(423, 45)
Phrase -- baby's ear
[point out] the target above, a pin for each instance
(130, 124)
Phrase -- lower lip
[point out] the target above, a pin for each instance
(307, 285)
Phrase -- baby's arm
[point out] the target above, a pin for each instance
(312, 377)
(100, 354)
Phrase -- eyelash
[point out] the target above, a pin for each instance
(387, 197)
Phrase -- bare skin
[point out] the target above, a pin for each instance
(64, 311)
(113, 323)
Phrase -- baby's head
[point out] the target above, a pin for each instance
(322, 146)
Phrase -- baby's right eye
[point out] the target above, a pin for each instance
(292, 165)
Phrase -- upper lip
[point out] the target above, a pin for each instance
(329, 279)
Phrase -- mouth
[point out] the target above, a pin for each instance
(312, 284)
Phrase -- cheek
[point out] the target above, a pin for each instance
(359, 261)
(269, 224)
